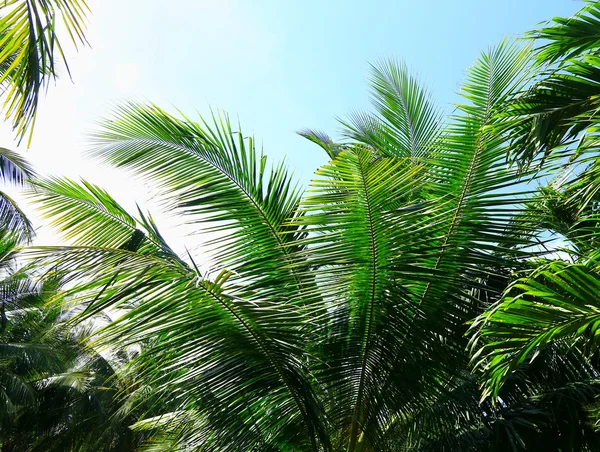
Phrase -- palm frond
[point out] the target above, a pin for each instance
(88, 216)
(407, 122)
(14, 168)
(481, 193)
(13, 220)
(556, 112)
(215, 177)
(30, 50)
(323, 140)
(567, 37)
(206, 338)
(560, 107)
(556, 302)
(352, 212)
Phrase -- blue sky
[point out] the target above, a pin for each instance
(279, 66)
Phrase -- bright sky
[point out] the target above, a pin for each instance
(279, 66)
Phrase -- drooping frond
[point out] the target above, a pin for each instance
(560, 107)
(556, 111)
(30, 50)
(87, 215)
(215, 177)
(567, 37)
(323, 140)
(232, 355)
(14, 169)
(556, 302)
(13, 220)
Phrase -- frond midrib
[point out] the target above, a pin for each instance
(367, 346)
(409, 122)
(468, 179)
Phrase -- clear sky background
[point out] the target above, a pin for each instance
(279, 66)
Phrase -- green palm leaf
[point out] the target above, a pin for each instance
(560, 108)
(407, 122)
(30, 49)
(207, 340)
(13, 220)
(351, 211)
(567, 37)
(481, 194)
(14, 169)
(215, 177)
(556, 302)
(87, 215)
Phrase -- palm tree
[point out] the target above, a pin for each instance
(57, 393)
(555, 302)
(333, 318)
(30, 50)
